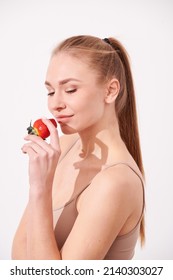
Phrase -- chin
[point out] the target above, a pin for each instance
(67, 129)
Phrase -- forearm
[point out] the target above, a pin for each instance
(43, 159)
(18, 251)
(41, 243)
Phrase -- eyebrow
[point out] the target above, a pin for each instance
(62, 82)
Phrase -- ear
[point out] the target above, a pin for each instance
(112, 90)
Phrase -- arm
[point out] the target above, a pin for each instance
(41, 243)
(30, 232)
(19, 241)
(43, 159)
(19, 246)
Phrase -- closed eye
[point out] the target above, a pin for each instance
(51, 93)
(71, 90)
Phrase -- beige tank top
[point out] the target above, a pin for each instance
(123, 247)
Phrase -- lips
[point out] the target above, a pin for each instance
(63, 118)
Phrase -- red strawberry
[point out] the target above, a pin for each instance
(40, 129)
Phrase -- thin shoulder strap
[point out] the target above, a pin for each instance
(115, 164)
(128, 165)
(108, 166)
(140, 177)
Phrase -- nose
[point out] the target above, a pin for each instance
(56, 103)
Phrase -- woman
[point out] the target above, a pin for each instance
(86, 196)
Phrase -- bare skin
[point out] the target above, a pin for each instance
(86, 114)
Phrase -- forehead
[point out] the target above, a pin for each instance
(63, 66)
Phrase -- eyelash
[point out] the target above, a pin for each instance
(51, 93)
(71, 90)
(67, 91)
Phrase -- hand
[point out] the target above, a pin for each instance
(43, 158)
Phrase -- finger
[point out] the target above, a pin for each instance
(39, 141)
(54, 137)
(28, 150)
(36, 149)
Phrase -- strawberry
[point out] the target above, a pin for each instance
(40, 129)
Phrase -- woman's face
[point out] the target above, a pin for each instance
(75, 98)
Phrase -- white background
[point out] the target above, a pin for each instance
(28, 32)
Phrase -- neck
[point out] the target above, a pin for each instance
(99, 137)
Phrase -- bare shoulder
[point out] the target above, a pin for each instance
(121, 177)
(117, 186)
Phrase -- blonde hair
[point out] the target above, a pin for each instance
(110, 59)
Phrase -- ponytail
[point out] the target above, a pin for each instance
(127, 115)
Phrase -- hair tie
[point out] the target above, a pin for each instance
(107, 41)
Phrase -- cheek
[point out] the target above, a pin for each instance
(91, 111)
(51, 105)
(49, 108)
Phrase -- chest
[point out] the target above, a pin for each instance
(71, 177)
